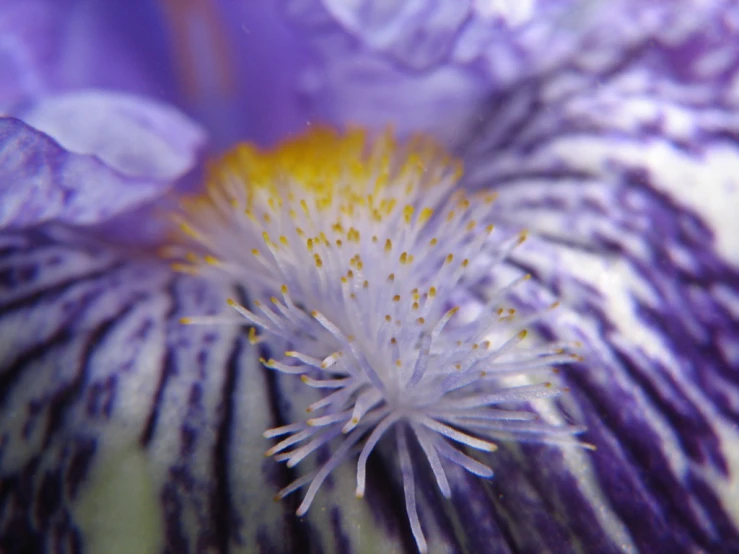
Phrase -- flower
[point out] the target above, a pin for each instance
(370, 241)
(605, 128)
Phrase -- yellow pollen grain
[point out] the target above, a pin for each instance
(318, 260)
(388, 245)
(420, 321)
(425, 215)
(471, 225)
(396, 298)
(388, 318)
(432, 292)
(398, 363)
(283, 240)
(449, 258)
(433, 242)
(391, 278)
(408, 213)
(189, 231)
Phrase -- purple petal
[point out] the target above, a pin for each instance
(53, 45)
(623, 169)
(120, 423)
(122, 417)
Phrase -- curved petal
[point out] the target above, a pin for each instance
(133, 135)
(40, 181)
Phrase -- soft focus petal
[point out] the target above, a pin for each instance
(425, 65)
(48, 46)
(240, 68)
(133, 135)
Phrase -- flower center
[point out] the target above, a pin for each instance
(360, 244)
(334, 217)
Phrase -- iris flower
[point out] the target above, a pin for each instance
(604, 133)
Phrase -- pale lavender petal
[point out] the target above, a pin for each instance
(133, 135)
(40, 181)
